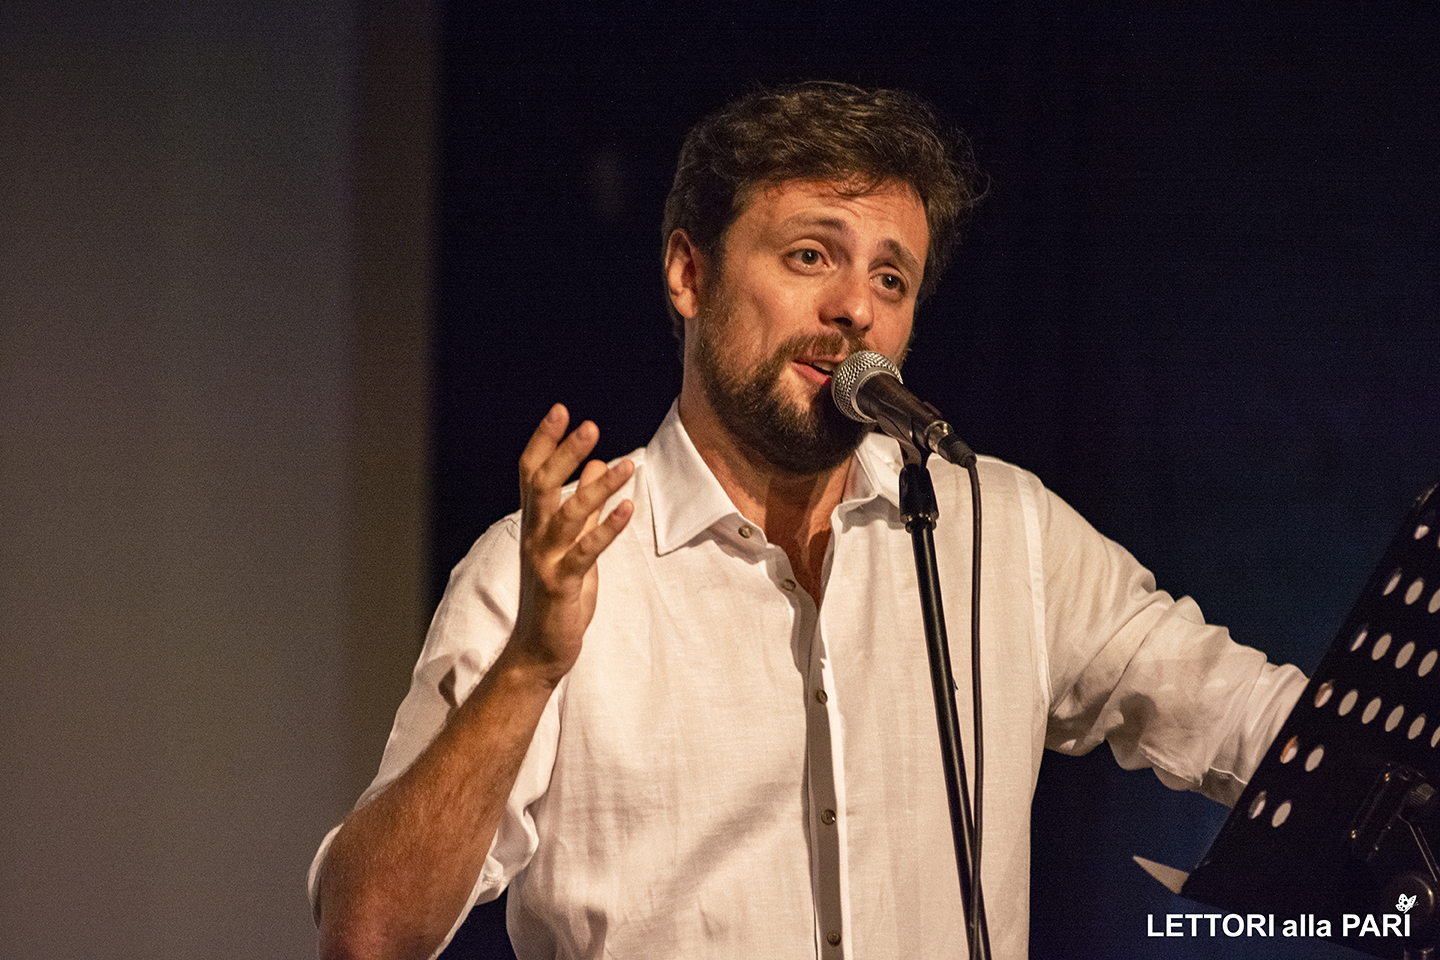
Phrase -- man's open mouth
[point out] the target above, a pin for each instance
(827, 367)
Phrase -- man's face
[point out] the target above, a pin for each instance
(809, 275)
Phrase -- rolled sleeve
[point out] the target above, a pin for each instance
(470, 628)
(1137, 668)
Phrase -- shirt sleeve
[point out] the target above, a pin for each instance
(1132, 665)
(470, 628)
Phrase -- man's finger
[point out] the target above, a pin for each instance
(581, 512)
(585, 491)
(542, 444)
(588, 548)
(572, 451)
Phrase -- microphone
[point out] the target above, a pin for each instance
(867, 387)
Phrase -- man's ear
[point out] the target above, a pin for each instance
(684, 265)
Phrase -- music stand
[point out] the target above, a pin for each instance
(1339, 817)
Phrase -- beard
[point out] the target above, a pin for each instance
(797, 438)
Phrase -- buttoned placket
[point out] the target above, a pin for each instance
(826, 795)
(824, 763)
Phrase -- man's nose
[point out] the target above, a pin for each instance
(848, 302)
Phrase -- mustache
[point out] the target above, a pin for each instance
(819, 344)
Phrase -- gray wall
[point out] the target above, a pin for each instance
(213, 343)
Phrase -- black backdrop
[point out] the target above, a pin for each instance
(1202, 302)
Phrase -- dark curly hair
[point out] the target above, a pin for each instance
(819, 130)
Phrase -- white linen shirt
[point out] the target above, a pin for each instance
(729, 771)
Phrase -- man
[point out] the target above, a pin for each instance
(685, 710)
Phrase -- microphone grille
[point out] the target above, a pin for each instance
(847, 379)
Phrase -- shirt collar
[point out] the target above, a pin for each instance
(875, 472)
(686, 499)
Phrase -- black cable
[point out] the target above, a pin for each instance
(979, 945)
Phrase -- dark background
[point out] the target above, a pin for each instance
(1200, 301)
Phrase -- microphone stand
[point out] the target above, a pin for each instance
(919, 510)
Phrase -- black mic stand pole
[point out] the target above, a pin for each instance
(919, 510)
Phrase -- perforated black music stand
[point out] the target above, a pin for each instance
(1340, 817)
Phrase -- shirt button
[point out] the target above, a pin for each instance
(821, 696)
(746, 531)
(833, 938)
(788, 584)
(828, 817)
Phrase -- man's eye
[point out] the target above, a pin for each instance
(891, 281)
(808, 257)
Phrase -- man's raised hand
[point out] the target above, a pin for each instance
(401, 867)
(561, 540)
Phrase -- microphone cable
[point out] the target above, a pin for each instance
(980, 934)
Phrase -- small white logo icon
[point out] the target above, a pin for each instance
(1405, 903)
